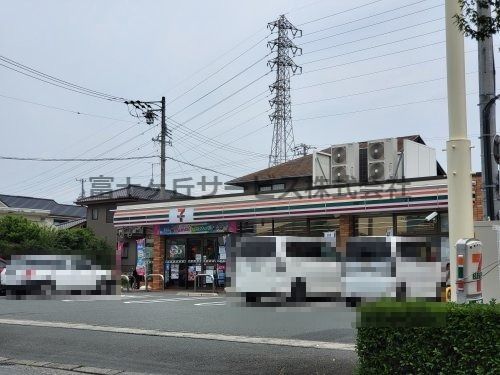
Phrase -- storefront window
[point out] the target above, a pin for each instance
(415, 224)
(444, 223)
(193, 248)
(319, 226)
(175, 250)
(373, 225)
(210, 248)
(290, 228)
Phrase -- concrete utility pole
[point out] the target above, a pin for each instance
(163, 137)
(146, 110)
(486, 67)
(301, 149)
(458, 146)
(82, 193)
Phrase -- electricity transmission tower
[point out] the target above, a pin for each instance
(283, 142)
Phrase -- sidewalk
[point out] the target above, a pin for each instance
(174, 292)
(13, 366)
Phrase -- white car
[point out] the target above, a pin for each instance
(402, 267)
(56, 274)
(284, 269)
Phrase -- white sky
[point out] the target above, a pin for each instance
(146, 49)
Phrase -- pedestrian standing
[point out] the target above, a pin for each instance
(136, 278)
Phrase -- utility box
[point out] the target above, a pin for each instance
(488, 232)
(469, 270)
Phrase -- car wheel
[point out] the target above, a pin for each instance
(298, 291)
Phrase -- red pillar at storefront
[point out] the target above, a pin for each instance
(158, 261)
(346, 230)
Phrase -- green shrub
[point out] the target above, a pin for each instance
(19, 236)
(439, 338)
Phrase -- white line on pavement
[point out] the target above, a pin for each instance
(161, 300)
(217, 303)
(185, 335)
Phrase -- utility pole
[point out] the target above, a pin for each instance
(283, 141)
(163, 192)
(82, 193)
(489, 167)
(301, 150)
(458, 146)
(146, 110)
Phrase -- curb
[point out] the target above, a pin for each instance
(64, 366)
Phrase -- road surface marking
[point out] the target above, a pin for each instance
(216, 303)
(161, 300)
(185, 335)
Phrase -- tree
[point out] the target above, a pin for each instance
(476, 26)
(19, 236)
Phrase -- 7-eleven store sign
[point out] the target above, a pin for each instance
(180, 215)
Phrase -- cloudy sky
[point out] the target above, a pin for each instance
(371, 69)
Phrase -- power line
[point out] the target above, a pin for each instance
(375, 72)
(373, 91)
(217, 71)
(38, 75)
(373, 47)
(342, 12)
(374, 36)
(214, 122)
(64, 109)
(377, 90)
(370, 17)
(58, 185)
(82, 153)
(216, 59)
(374, 57)
(368, 74)
(72, 159)
(73, 168)
(200, 167)
(375, 108)
(193, 134)
(222, 100)
(221, 85)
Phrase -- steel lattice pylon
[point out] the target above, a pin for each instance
(283, 140)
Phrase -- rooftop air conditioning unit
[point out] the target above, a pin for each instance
(382, 159)
(345, 163)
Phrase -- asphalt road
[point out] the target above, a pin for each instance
(222, 350)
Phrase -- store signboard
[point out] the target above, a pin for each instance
(194, 228)
(141, 257)
(222, 252)
(174, 272)
(191, 273)
(221, 272)
(167, 272)
(180, 215)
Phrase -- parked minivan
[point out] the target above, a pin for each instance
(283, 270)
